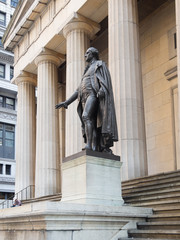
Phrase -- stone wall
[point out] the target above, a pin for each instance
(158, 56)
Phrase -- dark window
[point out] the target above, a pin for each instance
(2, 70)
(1, 101)
(1, 45)
(7, 102)
(8, 169)
(11, 72)
(14, 3)
(5, 195)
(2, 18)
(1, 168)
(175, 41)
(7, 138)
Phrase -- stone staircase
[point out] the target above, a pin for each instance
(162, 193)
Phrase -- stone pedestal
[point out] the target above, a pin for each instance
(67, 221)
(92, 178)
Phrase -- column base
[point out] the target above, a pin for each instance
(90, 177)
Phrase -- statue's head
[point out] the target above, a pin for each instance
(91, 52)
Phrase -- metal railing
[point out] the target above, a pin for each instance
(25, 194)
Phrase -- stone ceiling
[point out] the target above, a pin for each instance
(146, 7)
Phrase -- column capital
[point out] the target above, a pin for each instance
(48, 55)
(25, 77)
(79, 22)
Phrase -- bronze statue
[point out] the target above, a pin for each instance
(96, 104)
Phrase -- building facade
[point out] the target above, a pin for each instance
(8, 114)
(138, 40)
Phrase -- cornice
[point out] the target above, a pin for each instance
(7, 114)
(7, 180)
(6, 58)
(19, 25)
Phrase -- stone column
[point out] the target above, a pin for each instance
(25, 134)
(47, 181)
(125, 68)
(77, 34)
(62, 98)
(177, 4)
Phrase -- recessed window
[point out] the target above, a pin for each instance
(3, 18)
(175, 41)
(7, 139)
(1, 45)
(8, 169)
(11, 72)
(1, 101)
(2, 70)
(14, 3)
(7, 102)
(1, 168)
(172, 43)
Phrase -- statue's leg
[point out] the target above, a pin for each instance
(88, 116)
(94, 137)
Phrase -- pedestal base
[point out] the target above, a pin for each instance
(92, 178)
(66, 221)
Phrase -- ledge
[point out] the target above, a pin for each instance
(171, 73)
(93, 154)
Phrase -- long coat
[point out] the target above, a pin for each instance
(106, 117)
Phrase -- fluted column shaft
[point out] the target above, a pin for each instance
(47, 180)
(62, 98)
(25, 134)
(177, 4)
(125, 68)
(77, 35)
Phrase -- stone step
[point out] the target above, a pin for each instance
(56, 197)
(150, 187)
(155, 204)
(174, 225)
(153, 198)
(145, 238)
(164, 217)
(155, 234)
(156, 192)
(151, 184)
(162, 193)
(166, 209)
(156, 178)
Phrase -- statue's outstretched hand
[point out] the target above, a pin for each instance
(62, 104)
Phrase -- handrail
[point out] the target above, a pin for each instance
(24, 194)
